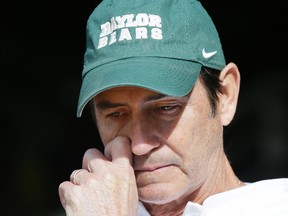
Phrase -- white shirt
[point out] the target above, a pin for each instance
(261, 198)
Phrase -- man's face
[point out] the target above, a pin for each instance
(174, 140)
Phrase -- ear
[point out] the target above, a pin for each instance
(228, 99)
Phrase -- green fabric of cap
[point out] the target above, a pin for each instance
(160, 45)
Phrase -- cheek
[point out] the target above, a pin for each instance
(106, 131)
(195, 139)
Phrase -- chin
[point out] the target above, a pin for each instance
(158, 195)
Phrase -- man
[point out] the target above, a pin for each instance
(161, 93)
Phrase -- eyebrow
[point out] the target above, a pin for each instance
(105, 104)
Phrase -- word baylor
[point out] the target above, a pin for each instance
(125, 23)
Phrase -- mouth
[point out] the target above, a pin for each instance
(151, 168)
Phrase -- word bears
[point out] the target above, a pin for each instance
(145, 26)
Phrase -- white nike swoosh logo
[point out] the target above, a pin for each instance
(208, 54)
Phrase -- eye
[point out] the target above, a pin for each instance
(168, 109)
(115, 114)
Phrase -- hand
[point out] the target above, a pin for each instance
(105, 186)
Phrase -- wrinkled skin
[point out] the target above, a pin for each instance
(159, 149)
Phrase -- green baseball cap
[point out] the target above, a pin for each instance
(160, 45)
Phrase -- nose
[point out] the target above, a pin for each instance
(143, 136)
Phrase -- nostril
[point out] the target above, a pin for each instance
(130, 141)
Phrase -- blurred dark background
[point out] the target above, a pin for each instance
(42, 141)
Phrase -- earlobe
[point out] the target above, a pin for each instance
(228, 99)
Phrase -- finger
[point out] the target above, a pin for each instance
(119, 150)
(76, 176)
(69, 194)
(64, 192)
(90, 158)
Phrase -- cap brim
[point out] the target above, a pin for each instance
(172, 77)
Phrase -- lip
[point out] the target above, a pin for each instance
(151, 168)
